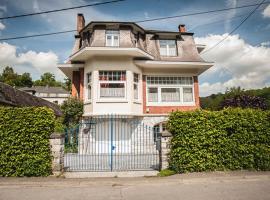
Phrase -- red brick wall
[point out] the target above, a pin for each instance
(168, 109)
(75, 89)
(81, 83)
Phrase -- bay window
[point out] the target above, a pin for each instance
(112, 38)
(112, 84)
(169, 90)
(167, 47)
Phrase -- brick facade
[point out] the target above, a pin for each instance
(81, 83)
(75, 88)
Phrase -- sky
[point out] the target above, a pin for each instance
(243, 59)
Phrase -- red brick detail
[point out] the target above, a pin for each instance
(196, 91)
(75, 84)
(168, 109)
(81, 83)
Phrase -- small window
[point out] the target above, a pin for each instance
(187, 95)
(112, 38)
(167, 47)
(153, 94)
(136, 86)
(89, 85)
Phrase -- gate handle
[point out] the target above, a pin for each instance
(113, 147)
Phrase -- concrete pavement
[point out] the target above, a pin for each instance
(204, 186)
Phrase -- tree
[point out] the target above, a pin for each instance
(245, 101)
(9, 77)
(26, 80)
(67, 84)
(72, 110)
(47, 79)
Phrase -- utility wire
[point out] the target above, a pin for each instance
(59, 10)
(140, 21)
(237, 27)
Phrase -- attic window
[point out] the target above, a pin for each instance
(167, 47)
(112, 38)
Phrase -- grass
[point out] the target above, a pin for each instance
(166, 172)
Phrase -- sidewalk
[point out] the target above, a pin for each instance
(214, 185)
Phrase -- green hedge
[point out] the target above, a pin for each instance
(230, 139)
(24, 144)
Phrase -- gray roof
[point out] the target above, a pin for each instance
(46, 89)
(12, 97)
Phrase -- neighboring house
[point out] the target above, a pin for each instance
(136, 74)
(10, 96)
(52, 94)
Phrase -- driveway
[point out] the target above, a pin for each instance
(203, 186)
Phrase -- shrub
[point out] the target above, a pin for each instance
(230, 139)
(24, 144)
(72, 110)
(166, 172)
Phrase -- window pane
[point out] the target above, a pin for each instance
(152, 94)
(170, 94)
(136, 93)
(112, 90)
(187, 95)
(89, 91)
(163, 51)
(112, 76)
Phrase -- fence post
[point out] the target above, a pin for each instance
(57, 141)
(165, 149)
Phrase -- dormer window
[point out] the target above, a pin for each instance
(167, 47)
(112, 38)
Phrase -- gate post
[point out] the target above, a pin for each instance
(57, 141)
(165, 149)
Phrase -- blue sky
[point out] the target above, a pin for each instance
(241, 60)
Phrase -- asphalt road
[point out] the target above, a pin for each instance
(203, 186)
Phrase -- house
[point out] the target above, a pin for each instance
(139, 76)
(55, 95)
(10, 96)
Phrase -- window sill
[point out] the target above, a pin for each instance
(171, 104)
(111, 101)
(87, 102)
(137, 102)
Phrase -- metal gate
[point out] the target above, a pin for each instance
(111, 143)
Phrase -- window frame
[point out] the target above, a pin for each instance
(89, 83)
(112, 81)
(116, 33)
(137, 83)
(168, 48)
(180, 86)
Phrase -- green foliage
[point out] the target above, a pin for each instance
(59, 126)
(230, 139)
(47, 79)
(24, 143)
(9, 77)
(214, 101)
(166, 172)
(72, 110)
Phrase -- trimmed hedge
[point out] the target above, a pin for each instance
(24, 144)
(230, 139)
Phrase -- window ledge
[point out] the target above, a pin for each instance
(137, 102)
(87, 102)
(171, 104)
(112, 101)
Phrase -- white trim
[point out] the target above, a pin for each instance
(159, 86)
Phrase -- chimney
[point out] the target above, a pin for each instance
(80, 22)
(182, 28)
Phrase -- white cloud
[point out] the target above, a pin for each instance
(248, 65)
(2, 26)
(266, 11)
(33, 62)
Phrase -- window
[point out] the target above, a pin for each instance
(112, 84)
(170, 94)
(169, 89)
(167, 47)
(187, 94)
(112, 38)
(89, 87)
(136, 85)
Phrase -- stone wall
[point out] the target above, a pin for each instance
(57, 142)
(165, 149)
